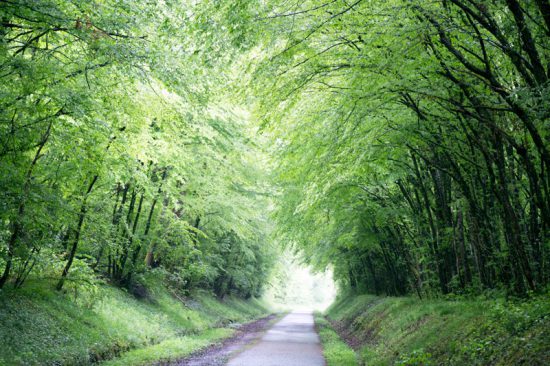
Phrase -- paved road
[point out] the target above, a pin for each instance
(290, 342)
(219, 354)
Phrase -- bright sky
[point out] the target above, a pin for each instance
(298, 288)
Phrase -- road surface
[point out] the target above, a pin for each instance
(290, 342)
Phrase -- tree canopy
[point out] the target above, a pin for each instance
(412, 140)
(120, 153)
(403, 143)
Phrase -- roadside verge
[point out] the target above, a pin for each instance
(335, 350)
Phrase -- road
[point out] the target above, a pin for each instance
(290, 342)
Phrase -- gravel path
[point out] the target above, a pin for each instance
(290, 342)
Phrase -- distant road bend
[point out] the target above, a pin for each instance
(290, 342)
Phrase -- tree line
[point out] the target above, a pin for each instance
(119, 152)
(413, 141)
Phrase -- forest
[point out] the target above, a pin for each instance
(402, 144)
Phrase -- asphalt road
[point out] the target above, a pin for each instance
(290, 342)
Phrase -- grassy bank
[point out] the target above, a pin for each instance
(407, 331)
(335, 350)
(41, 326)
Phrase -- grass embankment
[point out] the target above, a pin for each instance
(335, 350)
(41, 326)
(408, 331)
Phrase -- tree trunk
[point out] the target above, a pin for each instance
(17, 225)
(81, 217)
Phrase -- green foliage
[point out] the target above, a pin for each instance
(121, 152)
(405, 331)
(515, 332)
(416, 358)
(411, 141)
(403, 144)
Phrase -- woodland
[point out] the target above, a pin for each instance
(404, 144)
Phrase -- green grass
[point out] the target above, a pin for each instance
(170, 349)
(407, 331)
(39, 326)
(335, 350)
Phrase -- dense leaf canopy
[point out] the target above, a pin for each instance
(403, 143)
(412, 140)
(120, 150)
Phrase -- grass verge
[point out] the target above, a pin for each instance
(408, 331)
(171, 349)
(39, 326)
(335, 350)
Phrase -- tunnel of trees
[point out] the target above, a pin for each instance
(402, 143)
(424, 166)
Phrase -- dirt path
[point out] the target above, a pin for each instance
(290, 342)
